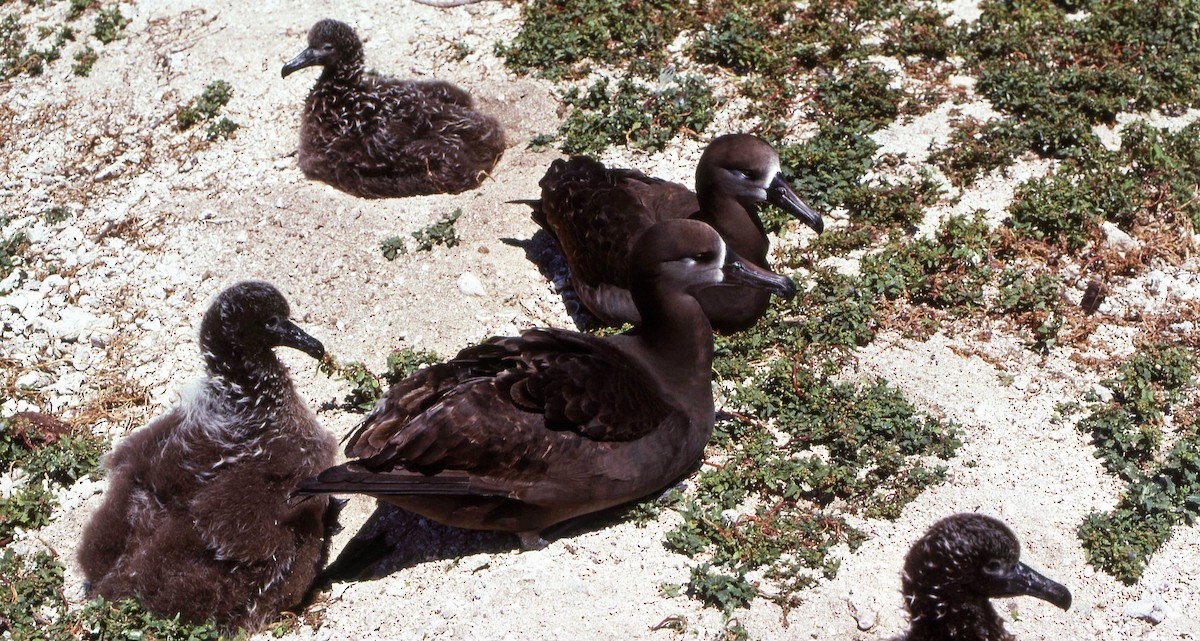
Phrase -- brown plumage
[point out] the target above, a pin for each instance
(197, 518)
(521, 433)
(598, 213)
(386, 138)
(960, 563)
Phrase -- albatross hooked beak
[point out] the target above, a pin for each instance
(780, 194)
(1022, 580)
(307, 58)
(289, 335)
(743, 272)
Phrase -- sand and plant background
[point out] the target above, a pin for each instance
(1000, 316)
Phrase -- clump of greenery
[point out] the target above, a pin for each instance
(830, 165)
(47, 460)
(393, 246)
(559, 37)
(884, 204)
(634, 113)
(977, 148)
(365, 387)
(1066, 208)
(404, 362)
(727, 592)
(1058, 75)
(919, 30)
(861, 96)
(13, 58)
(77, 7)
(815, 448)
(109, 24)
(1035, 304)
(948, 271)
(205, 108)
(1168, 166)
(1162, 491)
(32, 606)
(56, 214)
(11, 250)
(438, 233)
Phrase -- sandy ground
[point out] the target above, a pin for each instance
(205, 216)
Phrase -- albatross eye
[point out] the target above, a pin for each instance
(273, 322)
(327, 47)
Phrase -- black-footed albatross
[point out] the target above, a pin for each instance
(197, 519)
(522, 433)
(960, 563)
(386, 138)
(597, 214)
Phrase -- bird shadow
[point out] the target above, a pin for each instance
(393, 539)
(544, 252)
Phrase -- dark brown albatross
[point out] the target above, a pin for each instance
(197, 519)
(597, 214)
(521, 433)
(951, 572)
(386, 138)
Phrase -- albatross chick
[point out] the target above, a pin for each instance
(386, 138)
(951, 573)
(197, 519)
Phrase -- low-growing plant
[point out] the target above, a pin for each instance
(439, 233)
(205, 108)
(109, 24)
(884, 204)
(828, 166)
(635, 113)
(364, 386)
(404, 362)
(976, 148)
(46, 460)
(860, 96)
(11, 251)
(1066, 208)
(949, 271)
(1163, 490)
(829, 448)
(559, 37)
(724, 591)
(32, 606)
(77, 7)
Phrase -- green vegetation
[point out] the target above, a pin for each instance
(774, 498)
(1058, 75)
(46, 459)
(205, 108)
(32, 606)
(1163, 488)
(365, 386)
(26, 50)
(797, 451)
(635, 113)
(11, 249)
(559, 37)
(438, 233)
(109, 24)
(404, 362)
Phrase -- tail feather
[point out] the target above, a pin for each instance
(353, 480)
